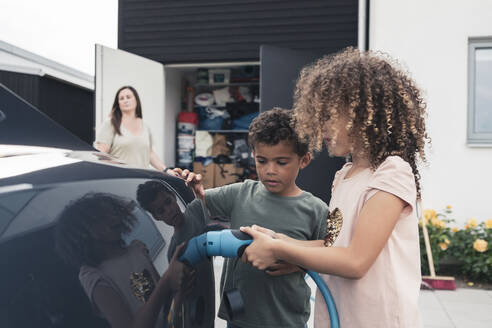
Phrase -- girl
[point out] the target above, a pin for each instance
(361, 105)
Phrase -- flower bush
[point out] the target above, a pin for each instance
(470, 247)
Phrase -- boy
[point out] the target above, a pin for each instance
(278, 297)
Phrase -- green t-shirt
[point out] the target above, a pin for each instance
(268, 301)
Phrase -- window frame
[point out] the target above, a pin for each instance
(475, 139)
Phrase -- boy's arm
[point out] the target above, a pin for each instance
(192, 180)
(219, 201)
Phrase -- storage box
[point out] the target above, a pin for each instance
(219, 146)
(226, 174)
(207, 172)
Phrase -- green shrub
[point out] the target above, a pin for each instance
(469, 247)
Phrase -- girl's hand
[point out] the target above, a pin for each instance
(267, 231)
(271, 233)
(260, 253)
(192, 180)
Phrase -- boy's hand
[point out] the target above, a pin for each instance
(186, 288)
(280, 268)
(172, 172)
(192, 180)
(176, 272)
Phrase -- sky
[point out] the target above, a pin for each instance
(64, 31)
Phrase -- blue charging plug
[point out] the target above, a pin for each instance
(226, 243)
(232, 243)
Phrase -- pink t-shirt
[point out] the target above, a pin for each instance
(387, 296)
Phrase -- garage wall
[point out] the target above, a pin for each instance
(172, 31)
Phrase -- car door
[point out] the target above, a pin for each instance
(45, 251)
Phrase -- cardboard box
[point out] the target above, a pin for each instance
(226, 174)
(219, 146)
(207, 172)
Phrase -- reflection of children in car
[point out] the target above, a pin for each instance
(162, 204)
(120, 280)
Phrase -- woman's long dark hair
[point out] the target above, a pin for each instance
(116, 111)
(73, 237)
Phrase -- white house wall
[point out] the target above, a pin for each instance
(431, 39)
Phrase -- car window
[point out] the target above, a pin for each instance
(11, 204)
(54, 252)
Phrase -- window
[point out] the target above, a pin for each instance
(480, 91)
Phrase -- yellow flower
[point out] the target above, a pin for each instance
(454, 229)
(443, 246)
(470, 283)
(436, 222)
(429, 214)
(446, 240)
(480, 245)
(488, 224)
(471, 223)
(442, 224)
(448, 207)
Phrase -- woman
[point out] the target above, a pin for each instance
(126, 136)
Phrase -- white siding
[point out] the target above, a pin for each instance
(431, 39)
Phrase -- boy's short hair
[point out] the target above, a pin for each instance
(272, 127)
(148, 191)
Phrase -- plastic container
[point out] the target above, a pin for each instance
(186, 142)
(187, 123)
(185, 158)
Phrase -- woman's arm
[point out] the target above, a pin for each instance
(156, 162)
(376, 221)
(102, 147)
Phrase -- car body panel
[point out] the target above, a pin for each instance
(39, 288)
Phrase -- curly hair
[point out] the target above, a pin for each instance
(385, 109)
(73, 237)
(273, 126)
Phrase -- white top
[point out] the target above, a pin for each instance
(130, 148)
(387, 296)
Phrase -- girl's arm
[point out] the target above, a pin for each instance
(376, 221)
(118, 314)
(116, 311)
(281, 236)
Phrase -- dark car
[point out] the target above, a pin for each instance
(74, 225)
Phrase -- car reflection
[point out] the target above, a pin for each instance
(97, 234)
(199, 304)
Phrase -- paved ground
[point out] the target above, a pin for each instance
(463, 308)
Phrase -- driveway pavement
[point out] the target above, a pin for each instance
(462, 308)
